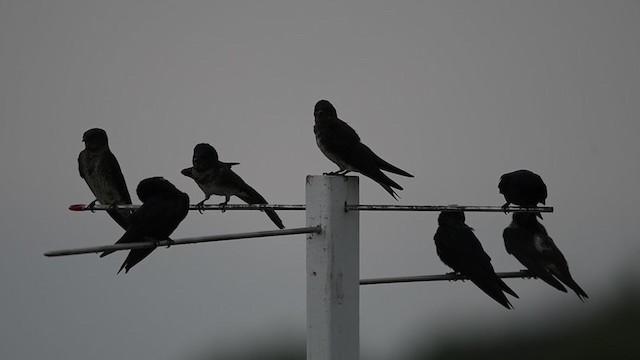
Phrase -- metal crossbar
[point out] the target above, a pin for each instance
(193, 240)
(447, 208)
(448, 277)
(545, 209)
(83, 207)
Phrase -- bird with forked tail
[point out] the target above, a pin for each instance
(101, 171)
(527, 240)
(163, 208)
(341, 144)
(459, 248)
(215, 177)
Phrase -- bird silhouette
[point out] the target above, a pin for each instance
(163, 208)
(459, 248)
(101, 171)
(523, 188)
(342, 145)
(216, 178)
(527, 240)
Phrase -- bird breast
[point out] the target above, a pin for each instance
(335, 158)
(100, 184)
(209, 182)
(212, 188)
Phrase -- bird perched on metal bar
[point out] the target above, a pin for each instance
(342, 145)
(100, 169)
(216, 178)
(163, 208)
(523, 188)
(527, 240)
(459, 248)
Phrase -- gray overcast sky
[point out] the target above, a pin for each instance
(456, 93)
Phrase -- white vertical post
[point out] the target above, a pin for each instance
(333, 266)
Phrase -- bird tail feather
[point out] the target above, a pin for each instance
(251, 196)
(134, 257)
(493, 289)
(383, 165)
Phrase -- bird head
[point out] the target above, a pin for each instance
(324, 110)
(526, 219)
(204, 156)
(451, 218)
(154, 186)
(95, 139)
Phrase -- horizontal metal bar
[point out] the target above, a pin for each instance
(546, 209)
(448, 277)
(83, 207)
(193, 240)
(447, 207)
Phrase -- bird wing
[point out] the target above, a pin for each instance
(336, 135)
(345, 132)
(558, 266)
(157, 221)
(81, 160)
(116, 177)
(459, 248)
(148, 221)
(364, 160)
(383, 165)
(229, 164)
(520, 243)
(339, 139)
(229, 179)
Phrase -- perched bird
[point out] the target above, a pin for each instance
(163, 208)
(216, 178)
(527, 240)
(100, 169)
(340, 143)
(523, 188)
(459, 248)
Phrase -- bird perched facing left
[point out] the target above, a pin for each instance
(215, 177)
(341, 144)
(459, 248)
(163, 208)
(100, 169)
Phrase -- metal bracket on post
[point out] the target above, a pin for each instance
(333, 266)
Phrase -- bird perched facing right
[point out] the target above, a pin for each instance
(459, 248)
(215, 177)
(523, 188)
(341, 144)
(100, 169)
(527, 240)
(163, 208)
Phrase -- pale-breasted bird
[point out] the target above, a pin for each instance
(100, 169)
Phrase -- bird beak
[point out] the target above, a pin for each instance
(187, 172)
